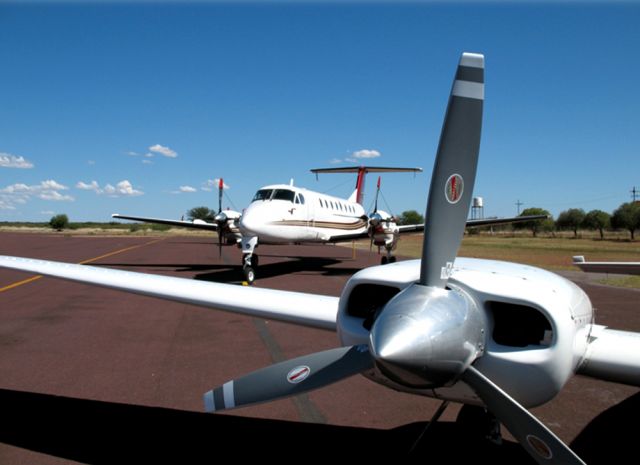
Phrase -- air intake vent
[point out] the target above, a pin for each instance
(519, 325)
(366, 300)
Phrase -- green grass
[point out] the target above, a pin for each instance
(545, 252)
(632, 282)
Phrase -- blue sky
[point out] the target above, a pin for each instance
(132, 107)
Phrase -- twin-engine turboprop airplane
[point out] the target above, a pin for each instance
(225, 222)
(485, 333)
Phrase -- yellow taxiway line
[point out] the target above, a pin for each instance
(115, 252)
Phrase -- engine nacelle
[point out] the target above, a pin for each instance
(383, 229)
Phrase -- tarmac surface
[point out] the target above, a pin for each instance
(74, 358)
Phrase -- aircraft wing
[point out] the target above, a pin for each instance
(607, 267)
(195, 224)
(317, 311)
(612, 355)
(478, 222)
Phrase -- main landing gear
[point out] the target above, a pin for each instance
(388, 258)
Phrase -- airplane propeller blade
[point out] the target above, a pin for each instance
(454, 172)
(544, 446)
(375, 206)
(220, 218)
(290, 377)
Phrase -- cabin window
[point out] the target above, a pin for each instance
(301, 198)
(263, 194)
(283, 194)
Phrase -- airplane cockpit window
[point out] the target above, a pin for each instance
(263, 194)
(301, 199)
(283, 194)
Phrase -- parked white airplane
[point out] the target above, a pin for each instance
(225, 222)
(606, 267)
(288, 214)
(481, 332)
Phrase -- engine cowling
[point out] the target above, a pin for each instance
(383, 229)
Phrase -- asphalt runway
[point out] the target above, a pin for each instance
(73, 357)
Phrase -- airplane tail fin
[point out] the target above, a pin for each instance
(358, 193)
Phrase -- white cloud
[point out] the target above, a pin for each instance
(148, 155)
(123, 188)
(47, 212)
(91, 162)
(50, 184)
(351, 160)
(13, 161)
(93, 186)
(187, 189)
(55, 196)
(162, 150)
(6, 204)
(147, 162)
(131, 153)
(126, 189)
(20, 193)
(335, 161)
(16, 188)
(366, 153)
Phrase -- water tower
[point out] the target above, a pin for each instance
(477, 208)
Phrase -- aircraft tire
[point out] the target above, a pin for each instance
(249, 274)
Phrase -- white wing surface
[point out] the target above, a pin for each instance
(317, 311)
(195, 224)
(612, 355)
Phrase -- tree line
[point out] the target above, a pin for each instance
(626, 216)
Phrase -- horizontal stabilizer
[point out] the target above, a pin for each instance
(367, 169)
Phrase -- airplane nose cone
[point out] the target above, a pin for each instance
(426, 337)
(400, 349)
(220, 217)
(249, 223)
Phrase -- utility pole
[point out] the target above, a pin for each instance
(634, 193)
(519, 204)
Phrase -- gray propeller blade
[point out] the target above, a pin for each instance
(454, 172)
(544, 446)
(290, 377)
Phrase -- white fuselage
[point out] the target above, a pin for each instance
(282, 214)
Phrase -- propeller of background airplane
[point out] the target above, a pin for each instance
(428, 335)
(375, 218)
(220, 218)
